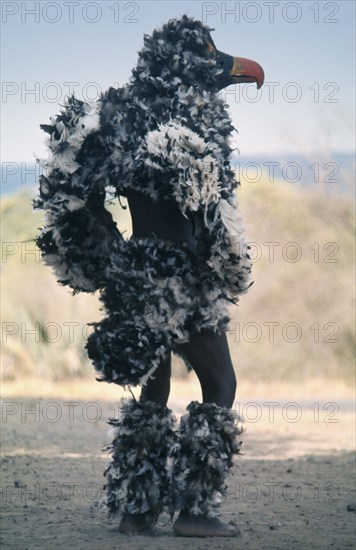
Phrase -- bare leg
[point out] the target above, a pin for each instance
(158, 387)
(209, 355)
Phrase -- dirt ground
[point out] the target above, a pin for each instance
(293, 488)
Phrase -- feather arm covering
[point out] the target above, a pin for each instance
(79, 232)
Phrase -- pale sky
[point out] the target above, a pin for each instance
(306, 49)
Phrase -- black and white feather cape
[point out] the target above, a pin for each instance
(166, 134)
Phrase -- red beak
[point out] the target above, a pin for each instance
(246, 70)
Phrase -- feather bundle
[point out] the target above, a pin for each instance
(137, 475)
(202, 458)
(154, 299)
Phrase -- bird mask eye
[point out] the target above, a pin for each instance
(212, 50)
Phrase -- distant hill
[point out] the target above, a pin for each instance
(333, 173)
(296, 321)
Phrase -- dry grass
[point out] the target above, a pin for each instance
(181, 390)
(312, 292)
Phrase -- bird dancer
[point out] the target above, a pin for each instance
(163, 142)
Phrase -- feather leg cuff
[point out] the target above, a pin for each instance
(202, 457)
(137, 476)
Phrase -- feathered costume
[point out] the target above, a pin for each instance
(165, 135)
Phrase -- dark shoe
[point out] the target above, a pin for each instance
(190, 525)
(136, 523)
